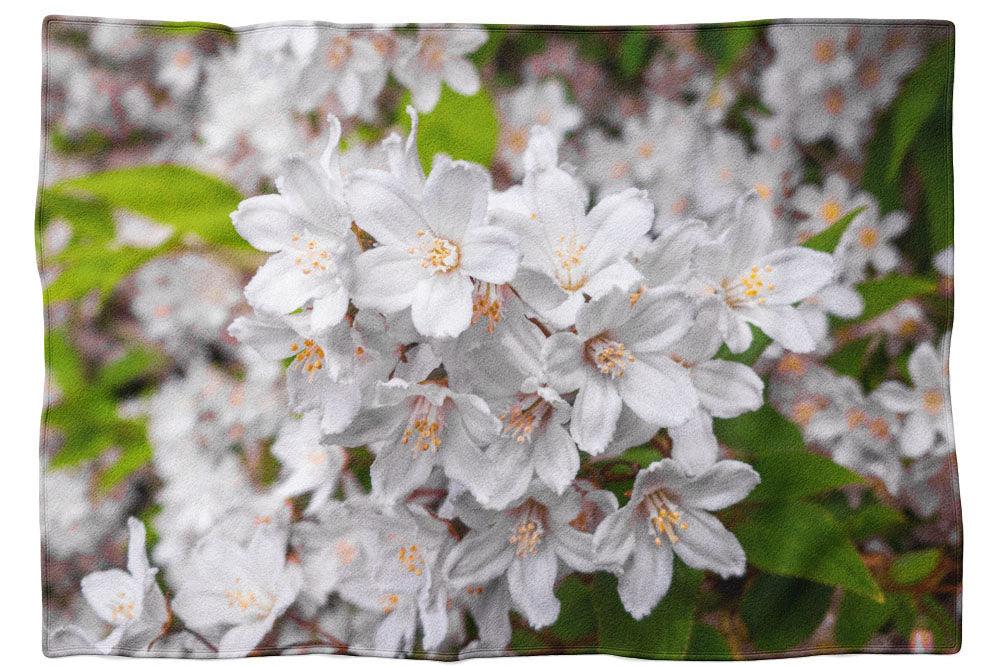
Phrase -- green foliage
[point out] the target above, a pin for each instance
(872, 519)
(665, 633)
(183, 198)
(761, 432)
(634, 52)
(882, 294)
(464, 127)
(858, 620)
(911, 568)
(87, 411)
(726, 43)
(933, 157)
(576, 613)
(827, 240)
(792, 474)
(708, 643)
(782, 612)
(801, 539)
(921, 94)
(758, 344)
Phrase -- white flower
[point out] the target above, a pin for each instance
(927, 406)
(347, 64)
(581, 252)
(618, 356)
(868, 241)
(180, 68)
(437, 56)
(310, 465)
(524, 544)
(825, 206)
(429, 248)
(745, 282)
(540, 103)
(130, 601)
(238, 592)
(668, 513)
(419, 427)
(307, 228)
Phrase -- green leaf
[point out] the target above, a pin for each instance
(858, 620)
(921, 94)
(183, 198)
(933, 156)
(707, 642)
(463, 127)
(911, 568)
(133, 457)
(725, 43)
(760, 432)
(850, 359)
(791, 474)
(871, 520)
(633, 52)
(828, 239)
(801, 539)
(96, 267)
(941, 622)
(881, 294)
(663, 634)
(576, 614)
(782, 612)
(135, 363)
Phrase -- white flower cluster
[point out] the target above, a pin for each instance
(476, 342)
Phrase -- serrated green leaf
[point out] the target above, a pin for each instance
(911, 568)
(663, 634)
(800, 539)
(463, 127)
(791, 474)
(760, 432)
(881, 294)
(188, 200)
(828, 239)
(782, 612)
(921, 94)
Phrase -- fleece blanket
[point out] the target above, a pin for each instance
(448, 341)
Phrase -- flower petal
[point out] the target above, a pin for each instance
(442, 305)
(490, 254)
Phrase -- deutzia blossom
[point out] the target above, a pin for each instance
(307, 229)
(130, 601)
(618, 359)
(868, 242)
(524, 544)
(419, 427)
(668, 513)
(744, 281)
(236, 593)
(436, 56)
(581, 252)
(927, 406)
(429, 248)
(536, 103)
(314, 467)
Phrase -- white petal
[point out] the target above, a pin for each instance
(727, 389)
(658, 390)
(387, 278)
(532, 578)
(555, 457)
(442, 305)
(707, 544)
(595, 413)
(382, 207)
(723, 484)
(646, 578)
(618, 221)
(490, 254)
(454, 198)
(265, 222)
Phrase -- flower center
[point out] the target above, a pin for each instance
(122, 608)
(527, 534)
(870, 75)
(830, 211)
(411, 559)
(664, 517)
(646, 150)
(868, 238)
(440, 255)
(752, 286)
(486, 305)
(933, 402)
(432, 53)
(824, 50)
(338, 52)
(569, 258)
(389, 602)
(424, 431)
(833, 101)
(311, 257)
(521, 421)
(308, 357)
(238, 596)
(609, 356)
(517, 140)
